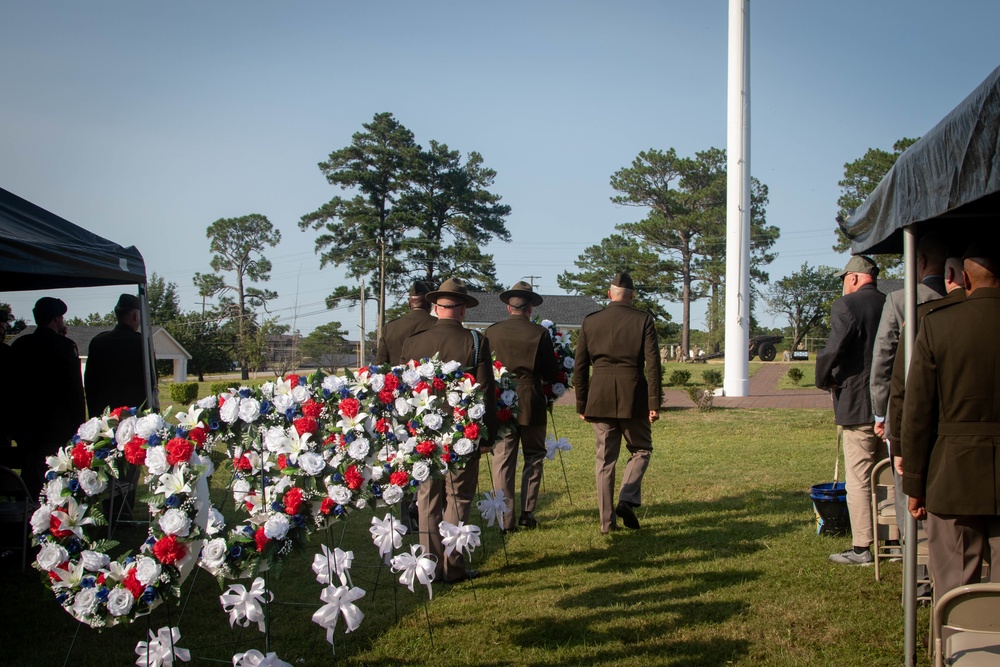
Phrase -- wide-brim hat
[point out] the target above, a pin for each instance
(859, 264)
(523, 290)
(456, 289)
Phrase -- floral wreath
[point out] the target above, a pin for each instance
(564, 365)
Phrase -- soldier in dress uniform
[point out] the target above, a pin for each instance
(114, 375)
(451, 499)
(617, 382)
(525, 348)
(390, 344)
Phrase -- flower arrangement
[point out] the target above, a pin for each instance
(507, 402)
(564, 364)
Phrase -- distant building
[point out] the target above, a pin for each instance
(567, 312)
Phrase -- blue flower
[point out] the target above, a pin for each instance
(248, 531)
(172, 501)
(338, 510)
(298, 521)
(326, 392)
(51, 475)
(213, 424)
(75, 439)
(245, 392)
(61, 598)
(387, 467)
(376, 490)
(154, 440)
(180, 432)
(129, 560)
(74, 485)
(134, 411)
(150, 540)
(414, 423)
(277, 507)
(290, 414)
(349, 437)
(87, 582)
(338, 478)
(101, 454)
(149, 595)
(265, 407)
(345, 392)
(74, 546)
(267, 482)
(302, 381)
(235, 552)
(102, 595)
(414, 483)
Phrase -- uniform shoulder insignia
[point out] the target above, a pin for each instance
(935, 307)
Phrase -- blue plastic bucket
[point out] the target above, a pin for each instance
(830, 504)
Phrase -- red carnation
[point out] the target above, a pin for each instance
(101, 579)
(311, 408)
(504, 415)
(198, 434)
(179, 450)
(391, 383)
(293, 380)
(243, 464)
(469, 376)
(459, 413)
(82, 456)
(134, 453)
(282, 461)
(446, 457)
(54, 524)
(497, 365)
(117, 412)
(326, 506)
(132, 584)
(387, 396)
(472, 432)
(349, 407)
(439, 384)
(421, 386)
(353, 478)
(426, 448)
(330, 438)
(399, 478)
(261, 539)
(561, 377)
(382, 425)
(293, 500)
(168, 549)
(305, 425)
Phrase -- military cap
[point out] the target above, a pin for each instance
(419, 288)
(859, 264)
(456, 289)
(523, 290)
(623, 280)
(47, 309)
(127, 303)
(983, 249)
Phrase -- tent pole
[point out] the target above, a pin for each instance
(148, 360)
(910, 526)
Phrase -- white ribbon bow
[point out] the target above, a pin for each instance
(459, 538)
(552, 446)
(339, 600)
(254, 658)
(161, 649)
(493, 506)
(245, 607)
(387, 534)
(418, 565)
(337, 562)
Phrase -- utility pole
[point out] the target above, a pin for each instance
(361, 345)
(531, 280)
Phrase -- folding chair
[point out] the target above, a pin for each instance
(884, 526)
(16, 507)
(966, 626)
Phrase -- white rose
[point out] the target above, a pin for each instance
(339, 494)
(275, 439)
(300, 394)
(568, 363)
(276, 527)
(282, 402)
(377, 472)
(249, 410)
(403, 407)
(147, 570)
(156, 460)
(392, 494)
(51, 556)
(312, 463)
(426, 370)
(125, 432)
(433, 421)
(421, 471)
(267, 389)
(406, 447)
(454, 399)
(477, 411)
(463, 446)
(508, 397)
(85, 602)
(411, 377)
(358, 449)
(241, 488)
(207, 403)
(230, 410)
(94, 561)
(558, 389)
(336, 460)
(91, 483)
(333, 383)
(120, 601)
(361, 503)
(175, 522)
(450, 367)
(378, 381)
(148, 425)
(40, 519)
(54, 489)
(90, 430)
(213, 554)
(215, 522)
(547, 323)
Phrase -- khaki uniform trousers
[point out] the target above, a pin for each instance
(532, 442)
(862, 450)
(449, 499)
(956, 547)
(639, 442)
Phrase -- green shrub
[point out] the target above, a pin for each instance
(679, 378)
(702, 398)
(795, 375)
(217, 388)
(712, 378)
(183, 392)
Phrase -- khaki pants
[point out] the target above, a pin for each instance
(862, 450)
(449, 499)
(639, 441)
(532, 441)
(957, 546)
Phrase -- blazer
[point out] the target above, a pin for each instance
(452, 342)
(390, 344)
(951, 414)
(845, 364)
(525, 348)
(114, 375)
(617, 369)
(53, 360)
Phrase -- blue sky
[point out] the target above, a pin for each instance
(145, 122)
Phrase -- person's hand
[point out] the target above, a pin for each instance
(916, 507)
(880, 430)
(653, 416)
(897, 463)
(583, 417)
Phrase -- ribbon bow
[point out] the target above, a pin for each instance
(387, 534)
(161, 649)
(328, 563)
(254, 658)
(459, 538)
(493, 506)
(246, 606)
(552, 446)
(415, 564)
(339, 600)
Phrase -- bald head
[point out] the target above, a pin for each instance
(616, 293)
(953, 268)
(980, 272)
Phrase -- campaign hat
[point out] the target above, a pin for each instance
(454, 288)
(523, 290)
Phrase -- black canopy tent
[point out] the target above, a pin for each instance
(949, 180)
(40, 250)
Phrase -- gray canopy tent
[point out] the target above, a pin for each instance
(40, 250)
(948, 180)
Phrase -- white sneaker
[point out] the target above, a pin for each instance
(850, 557)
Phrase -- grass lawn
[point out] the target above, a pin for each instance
(808, 380)
(726, 570)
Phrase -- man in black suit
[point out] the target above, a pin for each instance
(845, 366)
(114, 375)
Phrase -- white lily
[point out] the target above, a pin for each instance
(61, 462)
(296, 444)
(190, 419)
(467, 386)
(70, 577)
(353, 423)
(421, 401)
(173, 483)
(73, 518)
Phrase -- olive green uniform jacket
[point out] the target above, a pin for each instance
(525, 348)
(390, 344)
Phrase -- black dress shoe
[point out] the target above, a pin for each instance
(528, 520)
(627, 516)
(469, 574)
